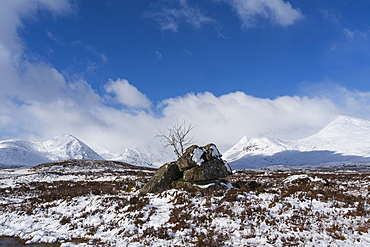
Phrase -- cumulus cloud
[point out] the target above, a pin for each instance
(126, 94)
(279, 12)
(171, 14)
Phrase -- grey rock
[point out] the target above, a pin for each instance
(207, 171)
(203, 164)
(163, 178)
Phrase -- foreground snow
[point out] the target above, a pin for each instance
(102, 206)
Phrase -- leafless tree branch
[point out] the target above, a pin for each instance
(177, 137)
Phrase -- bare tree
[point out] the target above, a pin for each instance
(177, 136)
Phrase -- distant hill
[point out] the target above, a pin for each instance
(88, 166)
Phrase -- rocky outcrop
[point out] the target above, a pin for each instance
(197, 164)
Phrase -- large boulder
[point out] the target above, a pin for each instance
(163, 178)
(201, 164)
(197, 164)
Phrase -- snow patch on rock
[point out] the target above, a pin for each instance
(197, 156)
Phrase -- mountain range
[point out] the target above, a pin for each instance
(344, 141)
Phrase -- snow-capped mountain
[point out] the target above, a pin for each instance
(18, 153)
(249, 145)
(344, 140)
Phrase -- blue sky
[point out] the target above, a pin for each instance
(213, 63)
(125, 39)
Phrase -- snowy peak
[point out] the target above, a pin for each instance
(68, 147)
(345, 135)
(61, 141)
(254, 146)
(18, 153)
(344, 126)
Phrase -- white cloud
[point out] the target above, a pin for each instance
(279, 12)
(127, 94)
(225, 119)
(171, 14)
(353, 44)
(55, 38)
(355, 34)
(158, 55)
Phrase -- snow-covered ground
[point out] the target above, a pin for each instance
(98, 204)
